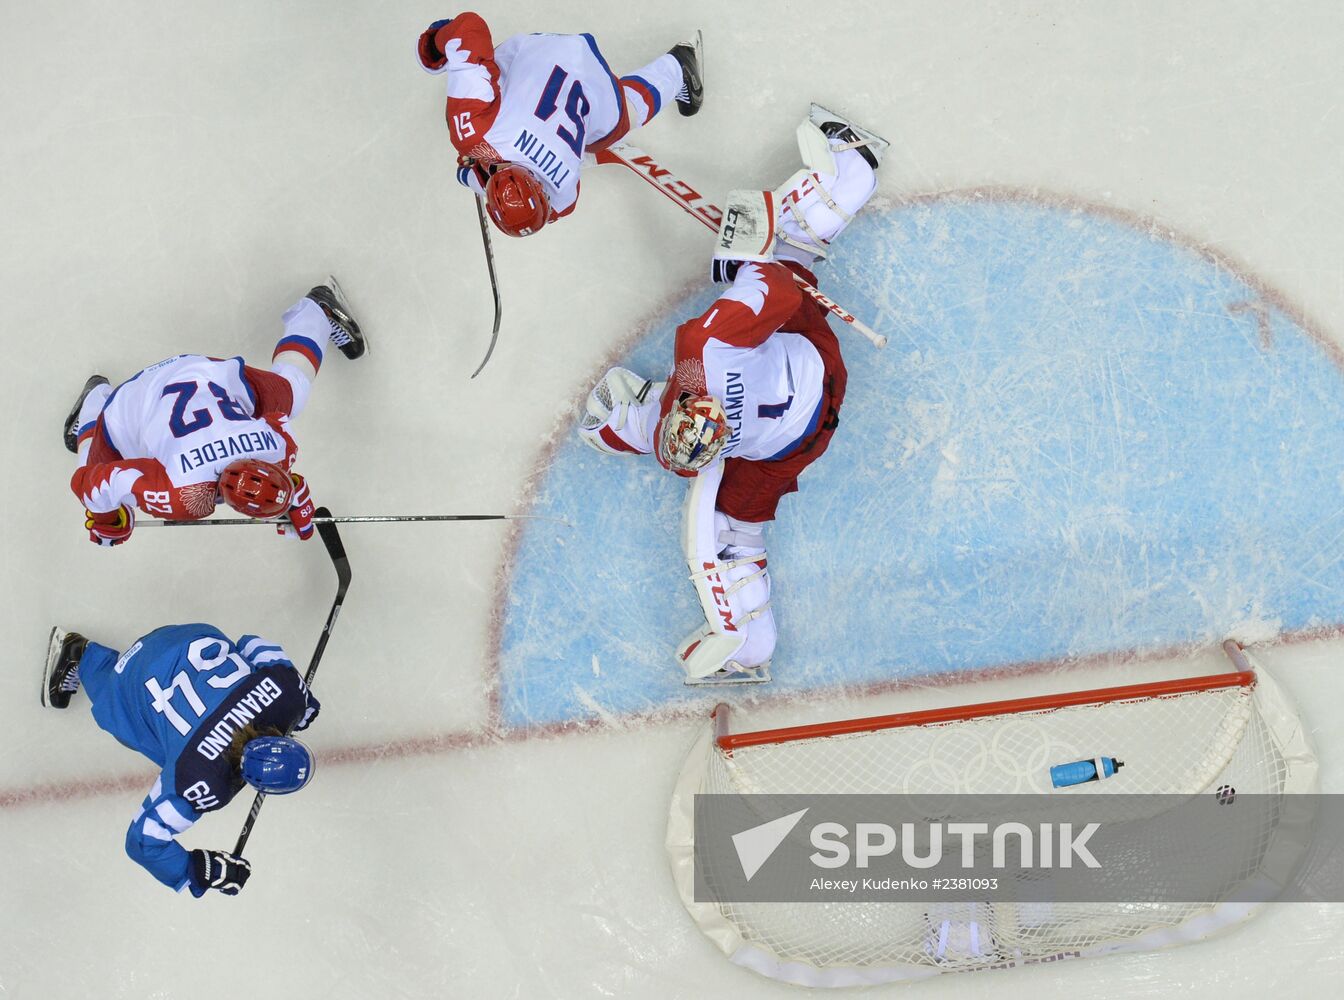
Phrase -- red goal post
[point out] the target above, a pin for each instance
(728, 742)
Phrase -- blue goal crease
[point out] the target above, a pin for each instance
(1078, 441)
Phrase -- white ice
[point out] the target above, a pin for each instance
(172, 176)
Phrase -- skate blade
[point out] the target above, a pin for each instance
(819, 115)
(755, 675)
(700, 57)
(55, 643)
(335, 286)
(70, 429)
(344, 303)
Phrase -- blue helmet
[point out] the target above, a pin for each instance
(277, 765)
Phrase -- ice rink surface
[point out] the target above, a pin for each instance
(1108, 250)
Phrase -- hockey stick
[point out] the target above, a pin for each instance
(331, 538)
(494, 283)
(352, 519)
(695, 205)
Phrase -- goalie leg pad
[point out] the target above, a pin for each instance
(706, 658)
(740, 625)
(621, 414)
(704, 651)
(816, 204)
(728, 568)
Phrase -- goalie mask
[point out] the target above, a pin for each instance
(692, 434)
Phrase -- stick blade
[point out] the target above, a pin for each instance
(331, 538)
(494, 283)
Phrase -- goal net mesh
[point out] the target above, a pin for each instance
(1243, 735)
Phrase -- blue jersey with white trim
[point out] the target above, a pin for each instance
(180, 695)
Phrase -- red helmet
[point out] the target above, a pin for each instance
(254, 488)
(516, 200)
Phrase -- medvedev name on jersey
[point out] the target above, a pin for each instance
(549, 164)
(225, 447)
(247, 708)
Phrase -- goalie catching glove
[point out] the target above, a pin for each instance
(621, 413)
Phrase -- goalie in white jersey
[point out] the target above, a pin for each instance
(190, 432)
(753, 398)
(522, 114)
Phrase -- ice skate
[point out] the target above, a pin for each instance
(60, 677)
(345, 332)
(72, 421)
(870, 145)
(691, 55)
(733, 673)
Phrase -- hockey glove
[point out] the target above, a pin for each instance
(309, 714)
(481, 167)
(111, 528)
(300, 524)
(431, 56)
(723, 271)
(219, 870)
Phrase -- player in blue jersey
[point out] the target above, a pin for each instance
(212, 713)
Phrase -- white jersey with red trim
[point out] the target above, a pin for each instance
(771, 394)
(546, 99)
(195, 415)
(770, 383)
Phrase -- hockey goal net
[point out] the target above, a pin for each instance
(1180, 737)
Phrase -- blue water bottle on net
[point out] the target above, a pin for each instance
(1082, 771)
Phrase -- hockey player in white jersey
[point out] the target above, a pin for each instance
(523, 113)
(190, 432)
(753, 398)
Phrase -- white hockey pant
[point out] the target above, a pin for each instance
(89, 412)
(305, 319)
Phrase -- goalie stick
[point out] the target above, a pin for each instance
(690, 201)
(332, 540)
(494, 282)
